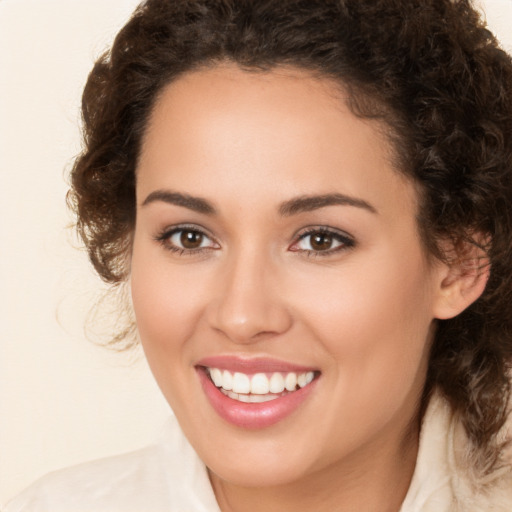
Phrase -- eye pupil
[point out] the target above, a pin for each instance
(191, 239)
(321, 241)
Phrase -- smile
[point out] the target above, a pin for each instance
(255, 393)
(260, 387)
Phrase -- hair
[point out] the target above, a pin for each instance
(429, 70)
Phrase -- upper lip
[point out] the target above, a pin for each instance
(250, 365)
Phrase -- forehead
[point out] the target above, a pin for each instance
(285, 129)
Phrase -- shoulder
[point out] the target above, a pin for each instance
(446, 477)
(90, 485)
(165, 476)
(486, 489)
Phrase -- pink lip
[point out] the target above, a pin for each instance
(252, 365)
(252, 415)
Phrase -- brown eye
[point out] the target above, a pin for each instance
(187, 240)
(321, 241)
(191, 239)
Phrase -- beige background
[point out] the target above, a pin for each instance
(62, 399)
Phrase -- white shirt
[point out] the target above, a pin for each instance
(169, 477)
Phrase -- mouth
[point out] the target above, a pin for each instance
(254, 394)
(259, 387)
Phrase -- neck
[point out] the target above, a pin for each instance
(374, 480)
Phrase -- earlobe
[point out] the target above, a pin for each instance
(461, 282)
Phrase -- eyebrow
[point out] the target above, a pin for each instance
(197, 204)
(309, 203)
(291, 207)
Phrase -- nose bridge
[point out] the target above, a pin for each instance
(249, 303)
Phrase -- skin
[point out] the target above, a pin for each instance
(362, 313)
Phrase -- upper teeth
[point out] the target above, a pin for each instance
(259, 383)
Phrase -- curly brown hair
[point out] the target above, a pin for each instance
(428, 69)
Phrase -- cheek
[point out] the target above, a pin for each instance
(374, 324)
(167, 309)
(375, 330)
(167, 302)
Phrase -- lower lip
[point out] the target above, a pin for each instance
(253, 415)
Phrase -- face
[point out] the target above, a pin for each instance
(281, 291)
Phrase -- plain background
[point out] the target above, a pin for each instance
(64, 400)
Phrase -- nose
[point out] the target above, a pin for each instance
(249, 305)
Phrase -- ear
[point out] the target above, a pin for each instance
(462, 279)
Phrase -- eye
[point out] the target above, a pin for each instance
(184, 239)
(322, 240)
(187, 239)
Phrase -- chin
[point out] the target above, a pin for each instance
(277, 456)
(275, 473)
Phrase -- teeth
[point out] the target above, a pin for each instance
(227, 380)
(259, 384)
(216, 376)
(261, 398)
(290, 382)
(258, 387)
(241, 383)
(249, 398)
(243, 398)
(276, 383)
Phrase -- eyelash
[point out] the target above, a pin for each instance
(164, 238)
(345, 241)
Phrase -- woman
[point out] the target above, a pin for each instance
(312, 204)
